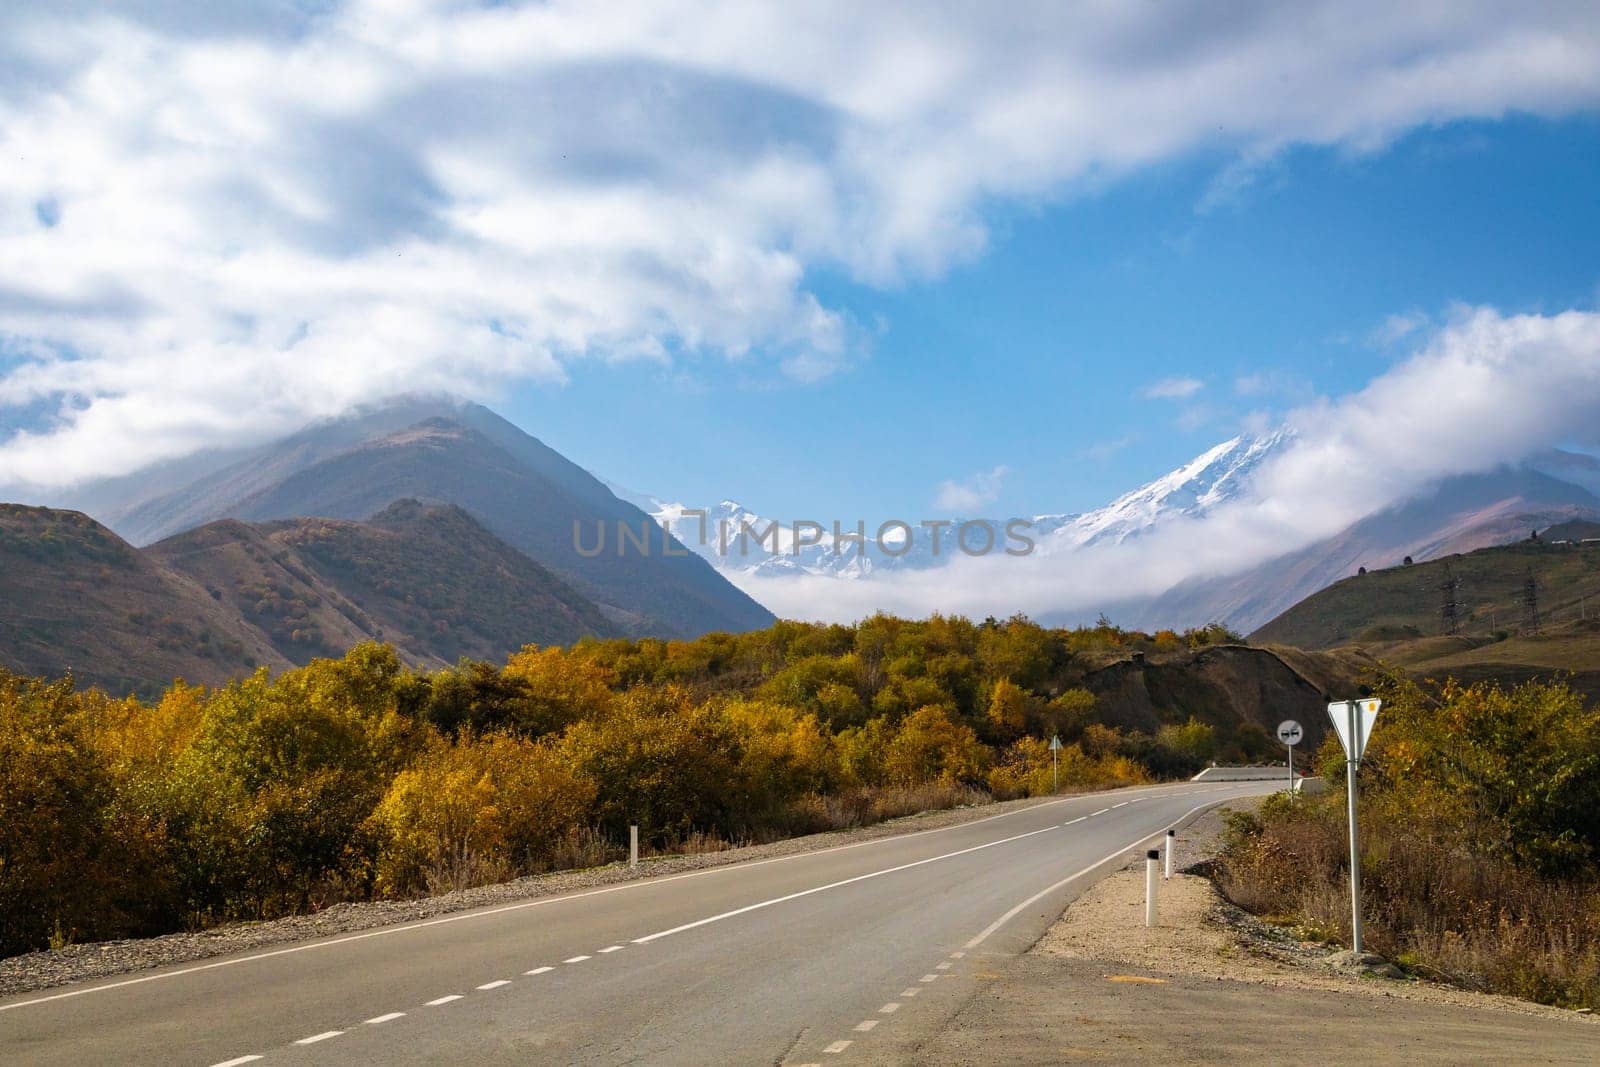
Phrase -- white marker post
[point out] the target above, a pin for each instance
(1172, 846)
(1055, 774)
(633, 846)
(1152, 864)
(1352, 720)
(1290, 734)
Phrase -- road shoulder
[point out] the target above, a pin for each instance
(1203, 986)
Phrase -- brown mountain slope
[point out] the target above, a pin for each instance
(217, 602)
(429, 580)
(75, 598)
(438, 585)
(1244, 692)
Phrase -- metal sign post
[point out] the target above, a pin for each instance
(1352, 720)
(1290, 733)
(1055, 774)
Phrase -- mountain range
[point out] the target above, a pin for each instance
(1456, 514)
(443, 451)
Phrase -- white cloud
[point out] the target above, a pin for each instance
(966, 497)
(1486, 390)
(1398, 327)
(1173, 388)
(219, 219)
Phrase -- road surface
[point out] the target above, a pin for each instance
(819, 957)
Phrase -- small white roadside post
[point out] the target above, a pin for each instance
(1152, 870)
(1352, 720)
(1290, 734)
(1172, 846)
(1055, 774)
(633, 846)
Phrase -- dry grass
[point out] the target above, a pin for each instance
(1475, 921)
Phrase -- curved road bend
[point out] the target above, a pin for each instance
(808, 958)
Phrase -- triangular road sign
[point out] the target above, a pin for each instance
(1352, 720)
(1055, 743)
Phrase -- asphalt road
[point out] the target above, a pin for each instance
(807, 958)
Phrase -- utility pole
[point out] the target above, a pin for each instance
(1449, 617)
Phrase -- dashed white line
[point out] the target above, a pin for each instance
(378, 1020)
(1102, 811)
(539, 970)
(957, 955)
(314, 1038)
(838, 1047)
(576, 959)
(865, 1024)
(611, 948)
(235, 1062)
(929, 978)
(444, 1000)
(889, 1008)
(496, 984)
(1076, 821)
(945, 966)
(1124, 804)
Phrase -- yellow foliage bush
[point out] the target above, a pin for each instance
(495, 803)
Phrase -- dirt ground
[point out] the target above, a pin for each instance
(1210, 985)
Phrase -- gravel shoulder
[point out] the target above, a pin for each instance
(1211, 983)
(78, 963)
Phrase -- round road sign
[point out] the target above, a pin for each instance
(1289, 732)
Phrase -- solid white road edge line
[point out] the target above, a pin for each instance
(1041, 894)
(485, 913)
(835, 885)
(236, 1061)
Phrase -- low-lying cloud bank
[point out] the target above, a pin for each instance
(1487, 390)
(221, 219)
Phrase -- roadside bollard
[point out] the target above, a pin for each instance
(633, 846)
(1152, 864)
(1172, 846)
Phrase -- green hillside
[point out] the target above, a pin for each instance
(1397, 616)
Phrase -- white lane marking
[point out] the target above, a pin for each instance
(496, 984)
(1076, 821)
(866, 1024)
(314, 1038)
(539, 970)
(835, 885)
(236, 1061)
(379, 1020)
(945, 966)
(1139, 800)
(929, 978)
(909, 992)
(1102, 811)
(542, 901)
(443, 1000)
(1014, 912)
(838, 1046)
(1124, 804)
(889, 1008)
(611, 948)
(957, 955)
(577, 959)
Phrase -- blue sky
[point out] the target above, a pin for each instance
(836, 260)
(1037, 355)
